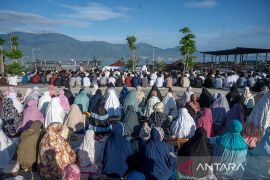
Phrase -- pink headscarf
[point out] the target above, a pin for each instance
(71, 172)
(64, 100)
(205, 121)
(51, 89)
(31, 114)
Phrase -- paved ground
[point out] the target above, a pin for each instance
(179, 90)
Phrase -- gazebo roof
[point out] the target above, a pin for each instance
(237, 50)
(118, 63)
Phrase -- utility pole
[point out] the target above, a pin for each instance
(33, 53)
(154, 55)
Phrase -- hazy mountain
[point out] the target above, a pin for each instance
(55, 46)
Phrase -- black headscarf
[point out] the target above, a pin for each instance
(94, 100)
(154, 88)
(99, 118)
(206, 99)
(233, 96)
(196, 149)
(69, 95)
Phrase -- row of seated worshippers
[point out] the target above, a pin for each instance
(40, 133)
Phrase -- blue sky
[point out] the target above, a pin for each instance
(217, 24)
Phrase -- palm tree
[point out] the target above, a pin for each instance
(13, 42)
(1, 56)
(131, 40)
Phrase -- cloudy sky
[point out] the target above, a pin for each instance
(217, 24)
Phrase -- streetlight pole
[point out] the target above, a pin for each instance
(33, 53)
(154, 54)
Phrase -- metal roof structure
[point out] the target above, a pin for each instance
(237, 50)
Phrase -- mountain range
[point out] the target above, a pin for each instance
(55, 46)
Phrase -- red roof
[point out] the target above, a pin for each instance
(118, 63)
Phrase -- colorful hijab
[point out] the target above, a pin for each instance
(205, 121)
(64, 100)
(232, 139)
(30, 114)
(12, 120)
(71, 172)
(55, 153)
(16, 103)
(117, 152)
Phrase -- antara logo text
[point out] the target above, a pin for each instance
(187, 167)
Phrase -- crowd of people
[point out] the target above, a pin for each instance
(197, 79)
(95, 134)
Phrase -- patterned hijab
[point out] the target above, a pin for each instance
(55, 153)
(11, 118)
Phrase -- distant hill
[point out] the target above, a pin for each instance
(54, 46)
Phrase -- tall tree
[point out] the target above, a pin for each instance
(14, 52)
(131, 40)
(187, 47)
(2, 41)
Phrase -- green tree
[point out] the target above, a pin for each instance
(15, 68)
(14, 52)
(131, 40)
(187, 46)
(129, 64)
(160, 66)
(2, 41)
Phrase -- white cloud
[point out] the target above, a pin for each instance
(21, 21)
(96, 12)
(201, 4)
(79, 17)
